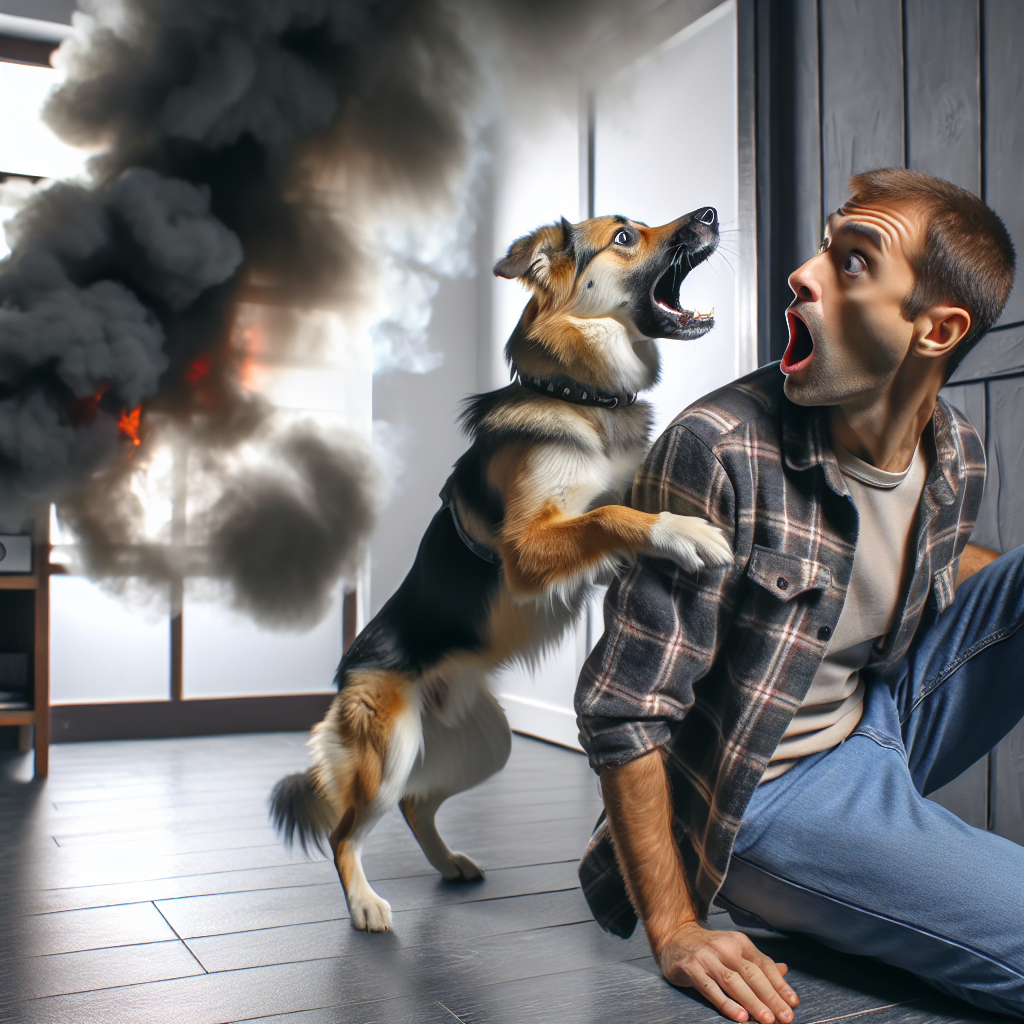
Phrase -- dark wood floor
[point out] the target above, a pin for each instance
(141, 883)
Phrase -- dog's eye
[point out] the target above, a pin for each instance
(622, 238)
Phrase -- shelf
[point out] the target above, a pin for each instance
(34, 641)
(19, 582)
(27, 717)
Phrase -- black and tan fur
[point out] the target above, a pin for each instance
(414, 721)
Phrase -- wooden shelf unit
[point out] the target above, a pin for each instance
(36, 583)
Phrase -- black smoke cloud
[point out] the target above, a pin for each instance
(241, 149)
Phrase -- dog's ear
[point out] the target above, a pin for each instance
(517, 261)
(531, 255)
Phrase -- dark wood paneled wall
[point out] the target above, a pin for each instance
(1003, 148)
(936, 85)
(861, 91)
(943, 90)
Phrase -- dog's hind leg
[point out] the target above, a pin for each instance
(363, 752)
(419, 814)
(369, 911)
(458, 753)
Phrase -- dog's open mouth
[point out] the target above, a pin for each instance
(665, 293)
(801, 345)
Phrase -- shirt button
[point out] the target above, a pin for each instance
(825, 632)
(782, 583)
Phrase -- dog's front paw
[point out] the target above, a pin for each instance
(370, 913)
(462, 869)
(689, 541)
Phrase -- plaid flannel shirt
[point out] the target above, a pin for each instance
(711, 666)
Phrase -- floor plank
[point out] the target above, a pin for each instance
(448, 926)
(92, 969)
(264, 908)
(142, 883)
(76, 930)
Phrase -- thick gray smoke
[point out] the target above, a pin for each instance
(244, 148)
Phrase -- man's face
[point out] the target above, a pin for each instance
(847, 336)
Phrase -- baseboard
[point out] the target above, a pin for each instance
(213, 716)
(545, 721)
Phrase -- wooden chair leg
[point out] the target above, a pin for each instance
(24, 739)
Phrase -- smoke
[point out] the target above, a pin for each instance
(317, 520)
(287, 154)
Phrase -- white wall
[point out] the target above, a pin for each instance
(536, 180)
(667, 143)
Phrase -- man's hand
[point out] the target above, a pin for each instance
(725, 967)
(730, 972)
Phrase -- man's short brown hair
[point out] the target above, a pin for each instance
(968, 258)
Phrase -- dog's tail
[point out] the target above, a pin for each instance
(300, 812)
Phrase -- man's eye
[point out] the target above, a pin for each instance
(825, 243)
(854, 264)
(622, 238)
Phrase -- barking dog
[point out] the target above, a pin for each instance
(526, 524)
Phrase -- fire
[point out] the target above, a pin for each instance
(250, 374)
(129, 424)
(199, 370)
(83, 410)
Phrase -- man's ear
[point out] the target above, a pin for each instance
(943, 328)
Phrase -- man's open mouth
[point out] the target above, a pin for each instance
(665, 293)
(801, 344)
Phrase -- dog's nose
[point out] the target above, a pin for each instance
(708, 215)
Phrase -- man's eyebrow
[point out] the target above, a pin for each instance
(873, 235)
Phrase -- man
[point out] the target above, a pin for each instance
(784, 717)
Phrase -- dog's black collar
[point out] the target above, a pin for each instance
(568, 389)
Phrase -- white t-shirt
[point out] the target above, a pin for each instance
(886, 508)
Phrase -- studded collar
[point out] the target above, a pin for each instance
(568, 389)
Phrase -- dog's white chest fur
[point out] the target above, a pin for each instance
(596, 473)
(604, 481)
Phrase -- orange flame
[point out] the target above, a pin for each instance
(129, 424)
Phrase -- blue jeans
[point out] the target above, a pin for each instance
(844, 848)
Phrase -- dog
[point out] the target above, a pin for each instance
(527, 522)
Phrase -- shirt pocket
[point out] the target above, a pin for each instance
(786, 576)
(944, 587)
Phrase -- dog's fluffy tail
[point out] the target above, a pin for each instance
(300, 812)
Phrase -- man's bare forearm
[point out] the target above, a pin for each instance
(639, 807)
(725, 967)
